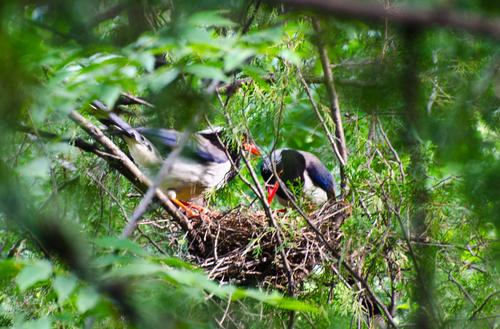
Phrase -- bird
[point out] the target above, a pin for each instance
(202, 165)
(302, 171)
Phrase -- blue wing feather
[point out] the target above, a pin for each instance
(320, 176)
(210, 157)
(323, 180)
(167, 139)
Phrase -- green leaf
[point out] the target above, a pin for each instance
(110, 259)
(36, 168)
(161, 78)
(268, 35)
(210, 18)
(108, 94)
(87, 299)
(206, 71)
(291, 56)
(42, 323)
(8, 268)
(278, 300)
(64, 285)
(295, 305)
(124, 244)
(177, 262)
(146, 59)
(31, 274)
(135, 269)
(196, 279)
(237, 57)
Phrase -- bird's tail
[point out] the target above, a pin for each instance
(111, 120)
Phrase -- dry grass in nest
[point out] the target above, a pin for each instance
(241, 246)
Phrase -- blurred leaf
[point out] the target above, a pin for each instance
(267, 35)
(87, 299)
(108, 94)
(206, 72)
(161, 78)
(37, 168)
(8, 268)
(146, 59)
(64, 285)
(134, 269)
(278, 300)
(125, 244)
(237, 57)
(210, 18)
(42, 323)
(33, 273)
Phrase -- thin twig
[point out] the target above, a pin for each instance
(129, 169)
(466, 294)
(320, 117)
(480, 307)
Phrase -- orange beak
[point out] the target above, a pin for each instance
(271, 191)
(251, 148)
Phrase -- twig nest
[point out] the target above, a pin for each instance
(241, 246)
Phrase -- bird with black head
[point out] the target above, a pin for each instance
(302, 171)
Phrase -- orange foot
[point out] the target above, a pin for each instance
(190, 207)
(185, 207)
(201, 211)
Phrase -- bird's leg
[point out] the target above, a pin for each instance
(202, 210)
(193, 206)
(185, 207)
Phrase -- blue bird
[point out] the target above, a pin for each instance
(202, 165)
(301, 170)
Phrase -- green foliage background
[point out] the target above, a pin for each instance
(427, 146)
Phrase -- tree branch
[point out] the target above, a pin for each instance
(480, 307)
(421, 18)
(334, 104)
(130, 170)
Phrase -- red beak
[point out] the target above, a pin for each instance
(271, 191)
(251, 148)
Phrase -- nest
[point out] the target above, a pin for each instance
(242, 247)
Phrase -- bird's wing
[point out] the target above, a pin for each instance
(163, 139)
(318, 173)
(110, 119)
(208, 151)
(199, 147)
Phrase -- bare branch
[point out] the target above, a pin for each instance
(323, 123)
(129, 170)
(334, 103)
(423, 18)
(480, 307)
(466, 294)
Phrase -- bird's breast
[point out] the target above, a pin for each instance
(312, 192)
(190, 178)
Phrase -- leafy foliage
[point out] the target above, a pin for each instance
(421, 120)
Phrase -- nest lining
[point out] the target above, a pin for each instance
(242, 247)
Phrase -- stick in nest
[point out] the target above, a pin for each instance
(241, 246)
